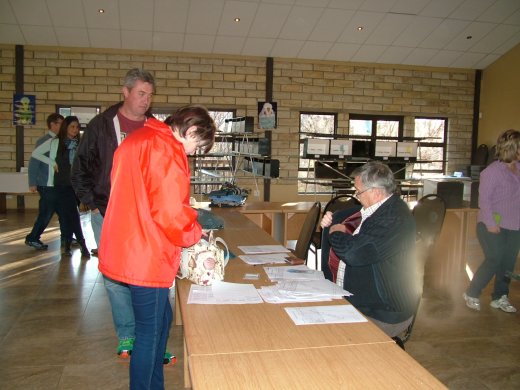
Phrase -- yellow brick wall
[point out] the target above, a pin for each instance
(89, 76)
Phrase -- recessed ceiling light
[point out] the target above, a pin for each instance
(360, 28)
(101, 11)
(237, 20)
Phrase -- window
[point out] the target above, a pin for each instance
(84, 113)
(386, 127)
(313, 125)
(431, 155)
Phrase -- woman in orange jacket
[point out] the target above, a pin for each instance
(148, 221)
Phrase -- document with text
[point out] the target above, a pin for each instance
(334, 314)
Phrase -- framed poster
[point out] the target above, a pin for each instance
(24, 109)
(267, 115)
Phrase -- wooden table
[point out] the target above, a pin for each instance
(253, 346)
(12, 183)
(282, 220)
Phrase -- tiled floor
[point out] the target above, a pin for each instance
(56, 327)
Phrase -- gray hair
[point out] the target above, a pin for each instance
(375, 174)
(508, 145)
(135, 74)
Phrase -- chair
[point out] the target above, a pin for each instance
(339, 202)
(429, 215)
(309, 227)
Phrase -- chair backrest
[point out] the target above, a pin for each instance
(309, 226)
(341, 202)
(429, 215)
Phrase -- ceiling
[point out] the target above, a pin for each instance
(444, 33)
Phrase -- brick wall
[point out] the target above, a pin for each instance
(89, 76)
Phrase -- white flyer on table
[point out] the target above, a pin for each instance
(258, 249)
(224, 293)
(269, 258)
(334, 314)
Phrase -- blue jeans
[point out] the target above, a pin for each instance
(47, 206)
(118, 293)
(500, 251)
(153, 318)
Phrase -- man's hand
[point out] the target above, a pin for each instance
(493, 229)
(33, 189)
(326, 221)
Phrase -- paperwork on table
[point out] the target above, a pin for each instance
(315, 315)
(287, 291)
(224, 293)
(259, 249)
(269, 258)
(293, 272)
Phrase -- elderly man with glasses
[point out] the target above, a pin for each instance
(372, 251)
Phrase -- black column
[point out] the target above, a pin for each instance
(19, 88)
(268, 133)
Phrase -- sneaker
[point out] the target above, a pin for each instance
(503, 304)
(124, 349)
(36, 244)
(169, 359)
(472, 303)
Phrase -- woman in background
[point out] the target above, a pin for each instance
(63, 150)
(498, 228)
(148, 221)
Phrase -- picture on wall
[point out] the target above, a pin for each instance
(267, 115)
(24, 109)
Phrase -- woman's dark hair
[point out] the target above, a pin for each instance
(197, 116)
(62, 134)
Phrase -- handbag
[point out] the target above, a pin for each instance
(204, 262)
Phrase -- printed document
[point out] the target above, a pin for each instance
(224, 293)
(334, 314)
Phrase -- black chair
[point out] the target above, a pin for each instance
(339, 202)
(429, 215)
(309, 227)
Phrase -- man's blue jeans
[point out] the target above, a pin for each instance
(153, 318)
(118, 293)
(47, 206)
(500, 251)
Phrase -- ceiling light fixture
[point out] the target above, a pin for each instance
(101, 11)
(237, 20)
(360, 28)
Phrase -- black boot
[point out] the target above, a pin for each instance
(84, 250)
(66, 248)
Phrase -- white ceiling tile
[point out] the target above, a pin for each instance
(345, 4)
(286, 48)
(417, 31)
(331, 25)
(258, 47)
(419, 56)
(377, 5)
(314, 50)
(33, 13)
(440, 8)
(508, 45)
(486, 61)
(136, 15)
(409, 6)
(61, 12)
(40, 35)
(284, 2)
(198, 43)
(237, 9)
(11, 34)
(228, 45)
(448, 30)
(368, 53)
(513, 19)
(389, 29)
(471, 9)
(72, 36)
(444, 58)
(368, 20)
(342, 51)
(394, 55)
(166, 41)
(300, 23)
(108, 19)
(311, 3)
(495, 38)
(269, 20)
(6, 13)
(467, 60)
(105, 38)
(476, 30)
(170, 16)
(204, 16)
(136, 40)
(500, 11)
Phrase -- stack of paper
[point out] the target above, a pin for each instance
(270, 258)
(302, 291)
(224, 293)
(296, 272)
(258, 249)
(336, 314)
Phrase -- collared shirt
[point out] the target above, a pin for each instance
(365, 213)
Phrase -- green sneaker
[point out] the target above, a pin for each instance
(124, 349)
(169, 359)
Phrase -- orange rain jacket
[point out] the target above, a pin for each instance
(148, 217)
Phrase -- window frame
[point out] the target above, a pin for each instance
(442, 144)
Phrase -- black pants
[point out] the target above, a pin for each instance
(68, 209)
(47, 206)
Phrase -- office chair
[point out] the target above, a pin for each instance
(309, 227)
(339, 202)
(429, 215)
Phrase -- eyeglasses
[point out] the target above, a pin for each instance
(358, 192)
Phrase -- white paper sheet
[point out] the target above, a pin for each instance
(315, 315)
(259, 249)
(224, 293)
(293, 272)
(270, 258)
